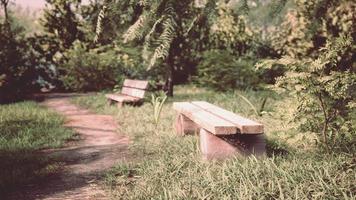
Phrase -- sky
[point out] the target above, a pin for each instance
(33, 3)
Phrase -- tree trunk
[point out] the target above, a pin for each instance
(4, 3)
(169, 80)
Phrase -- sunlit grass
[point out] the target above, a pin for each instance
(26, 128)
(170, 167)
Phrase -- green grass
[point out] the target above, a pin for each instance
(170, 167)
(26, 128)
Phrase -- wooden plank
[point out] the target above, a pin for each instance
(136, 84)
(245, 126)
(133, 92)
(121, 98)
(204, 119)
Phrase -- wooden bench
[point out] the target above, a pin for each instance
(133, 91)
(222, 133)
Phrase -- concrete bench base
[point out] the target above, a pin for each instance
(184, 126)
(220, 147)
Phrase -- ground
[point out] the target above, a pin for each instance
(98, 148)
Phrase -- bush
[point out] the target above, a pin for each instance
(94, 69)
(222, 71)
(325, 88)
(18, 72)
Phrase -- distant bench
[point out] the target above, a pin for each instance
(222, 133)
(133, 91)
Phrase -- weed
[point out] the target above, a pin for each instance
(258, 112)
(157, 103)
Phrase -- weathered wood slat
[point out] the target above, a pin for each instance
(136, 84)
(245, 126)
(133, 92)
(122, 98)
(206, 120)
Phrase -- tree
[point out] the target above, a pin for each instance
(175, 33)
(307, 27)
(114, 17)
(318, 53)
(18, 74)
(6, 24)
(60, 22)
(165, 27)
(4, 4)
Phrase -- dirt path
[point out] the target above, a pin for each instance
(97, 150)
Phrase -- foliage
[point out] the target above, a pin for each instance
(25, 128)
(162, 25)
(321, 69)
(325, 88)
(110, 19)
(268, 13)
(61, 23)
(85, 69)
(68, 21)
(307, 27)
(229, 31)
(18, 63)
(222, 71)
(17, 75)
(175, 33)
(165, 24)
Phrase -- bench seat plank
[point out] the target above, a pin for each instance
(206, 120)
(245, 126)
(133, 92)
(136, 84)
(122, 98)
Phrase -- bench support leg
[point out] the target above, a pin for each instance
(110, 102)
(183, 125)
(220, 147)
(120, 104)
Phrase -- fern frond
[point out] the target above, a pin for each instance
(101, 16)
(165, 40)
(149, 38)
(143, 3)
(136, 30)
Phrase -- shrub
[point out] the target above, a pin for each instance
(325, 88)
(222, 71)
(94, 69)
(18, 72)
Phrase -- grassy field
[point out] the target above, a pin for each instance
(170, 167)
(26, 128)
